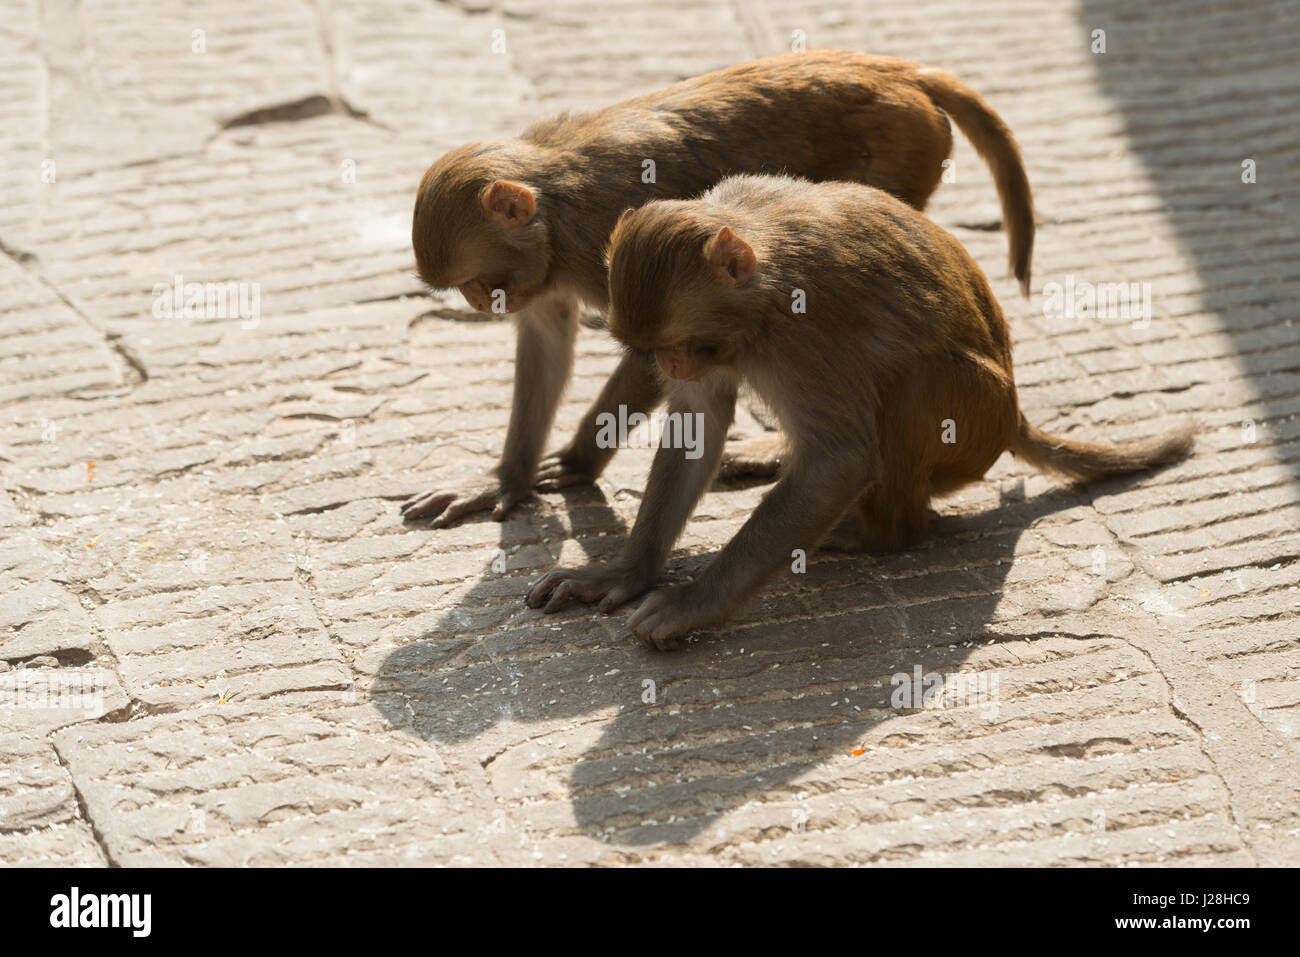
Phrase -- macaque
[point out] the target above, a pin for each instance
(520, 226)
(893, 387)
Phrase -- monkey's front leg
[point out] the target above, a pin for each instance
(797, 513)
(636, 386)
(675, 485)
(546, 332)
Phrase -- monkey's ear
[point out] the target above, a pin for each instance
(731, 257)
(509, 204)
(626, 213)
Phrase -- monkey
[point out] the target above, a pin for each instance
(519, 226)
(894, 386)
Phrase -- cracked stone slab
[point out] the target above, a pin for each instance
(37, 615)
(40, 823)
(35, 790)
(205, 509)
(49, 349)
(34, 699)
(267, 783)
(59, 845)
(223, 643)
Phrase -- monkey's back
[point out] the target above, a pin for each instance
(823, 114)
(892, 294)
(858, 251)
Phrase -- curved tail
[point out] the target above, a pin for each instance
(994, 142)
(1083, 461)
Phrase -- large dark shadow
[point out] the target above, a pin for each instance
(819, 650)
(1201, 86)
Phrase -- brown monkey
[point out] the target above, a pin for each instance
(894, 386)
(520, 226)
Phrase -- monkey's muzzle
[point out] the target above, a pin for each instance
(678, 363)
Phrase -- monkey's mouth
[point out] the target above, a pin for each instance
(496, 298)
(685, 364)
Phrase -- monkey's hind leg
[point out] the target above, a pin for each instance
(883, 519)
(758, 457)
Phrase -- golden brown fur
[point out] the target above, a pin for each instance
(537, 248)
(895, 386)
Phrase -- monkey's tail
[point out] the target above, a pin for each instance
(1083, 461)
(994, 142)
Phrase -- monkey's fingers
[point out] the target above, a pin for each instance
(463, 503)
(554, 463)
(506, 503)
(545, 585)
(553, 483)
(656, 636)
(656, 623)
(603, 583)
(618, 595)
(555, 474)
(560, 597)
(660, 644)
(427, 504)
(668, 615)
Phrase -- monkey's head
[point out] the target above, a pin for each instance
(477, 226)
(679, 281)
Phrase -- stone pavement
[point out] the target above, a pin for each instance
(221, 646)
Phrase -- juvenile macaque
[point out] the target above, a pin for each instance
(893, 387)
(520, 226)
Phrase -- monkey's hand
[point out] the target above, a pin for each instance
(446, 506)
(611, 584)
(568, 466)
(668, 614)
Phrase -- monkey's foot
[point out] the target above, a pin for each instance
(752, 458)
(611, 585)
(666, 615)
(563, 469)
(855, 535)
(848, 536)
(446, 506)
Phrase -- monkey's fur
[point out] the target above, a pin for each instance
(528, 219)
(902, 341)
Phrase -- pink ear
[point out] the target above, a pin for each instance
(510, 204)
(626, 213)
(732, 257)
